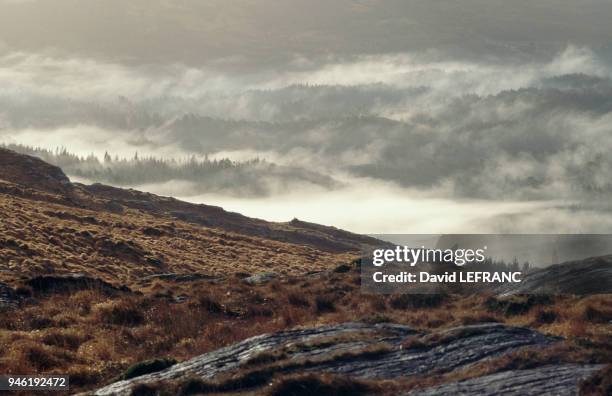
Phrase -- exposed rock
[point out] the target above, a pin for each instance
(264, 277)
(32, 172)
(180, 299)
(8, 298)
(558, 380)
(590, 276)
(360, 350)
(72, 283)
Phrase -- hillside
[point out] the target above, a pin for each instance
(52, 226)
(136, 294)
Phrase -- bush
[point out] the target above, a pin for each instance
(595, 315)
(515, 305)
(599, 383)
(320, 385)
(298, 300)
(67, 339)
(255, 311)
(83, 375)
(546, 317)
(40, 322)
(38, 357)
(123, 313)
(195, 386)
(342, 269)
(211, 305)
(324, 304)
(147, 367)
(144, 390)
(417, 301)
(376, 318)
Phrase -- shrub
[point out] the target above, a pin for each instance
(417, 301)
(595, 315)
(144, 390)
(321, 385)
(515, 305)
(38, 357)
(376, 318)
(256, 311)
(599, 383)
(123, 312)
(378, 303)
(324, 304)
(23, 291)
(195, 386)
(40, 322)
(82, 376)
(342, 269)
(298, 300)
(147, 367)
(67, 339)
(211, 305)
(546, 317)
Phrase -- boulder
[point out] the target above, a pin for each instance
(360, 350)
(558, 380)
(264, 277)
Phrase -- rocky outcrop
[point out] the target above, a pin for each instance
(258, 279)
(32, 172)
(558, 380)
(582, 277)
(361, 350)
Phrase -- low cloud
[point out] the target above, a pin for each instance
(523, 142)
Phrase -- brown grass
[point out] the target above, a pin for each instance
(599, 384)
(41, 237)
(96, 337)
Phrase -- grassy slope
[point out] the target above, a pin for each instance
(50, 227)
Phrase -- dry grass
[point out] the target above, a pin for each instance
(598, 384)
(42, 237)
(97, 337)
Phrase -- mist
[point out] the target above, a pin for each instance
(378, 116)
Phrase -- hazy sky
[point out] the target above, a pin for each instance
(428, 115)
(270, 32)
